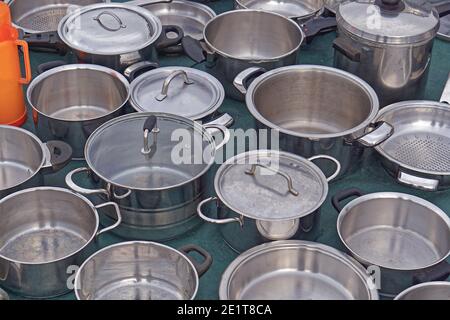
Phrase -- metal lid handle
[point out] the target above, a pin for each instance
(173, 75)
(112, 14)
(288, 178)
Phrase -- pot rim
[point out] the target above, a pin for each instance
(407, 105)
(197, 5)
(405, 292)
(305, 161)
(309, 67)
(305, 16)
(248, 255)
(74, 67)
(63, 190)
(39, 142)
(78, 285)
(226, 55)
(390, 195)
(150, 17)
(195, 125)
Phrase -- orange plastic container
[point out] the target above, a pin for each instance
(12, 102)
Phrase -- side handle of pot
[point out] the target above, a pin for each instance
(439, 272)
(48, 42)
(202, 267)
(380, 133)
(343, 46)
(245, 77)
(317, 26)
(240, 220)
(58, 154)
(337, 163)
(43, 67)
(119, 217)
(445, 98)
(193, 49)
(135, 70)
(211, 128)
(73, 186)
(165, 42)
(343, 195)
(422, 183)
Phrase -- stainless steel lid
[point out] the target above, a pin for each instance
(389, 21)
(177, 90)
(271, 185)
(444, 30)
(109, 29)
(288, 8)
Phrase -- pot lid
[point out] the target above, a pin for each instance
(109, 29)
(256, 184)
(288, 8)
(389, 21)
(177, 90)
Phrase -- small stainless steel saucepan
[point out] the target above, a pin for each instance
(436, 290)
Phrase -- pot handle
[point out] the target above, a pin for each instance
(344, 46)
(417, 182)
(338, 164)
(169, 79)
(288, 178)
(225, 132)
(381, 132)
(344, 195)
(165, 42)
(445, 98)
(317, 26)
(119, 217)
(439, 272)
(240, 220)
(244, 78)
(58, 155)
(146, 2)
(73, 186)
(135, 70)
(43, 67)
(202, 267)
(193, 49)
(48, 42)
(225, 120)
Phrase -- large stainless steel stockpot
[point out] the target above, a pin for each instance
(240, 39)
(387, 43)
(404, 236)
(141, 270)
(436, 290)
(155, 166)
(45, 232)
(69, 102)
(24, 159)
(315, 110)
(296, 270)
(418, 154)
(267, 195)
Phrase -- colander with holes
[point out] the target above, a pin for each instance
(418, 153)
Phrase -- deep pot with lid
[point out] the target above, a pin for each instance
(388, 43)
(267, 195)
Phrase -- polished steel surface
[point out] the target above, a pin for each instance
(137, 271)
(319, 116)
(275, 43)
(295, 270)
(400, 233)
(438, 290)
(444, 30)
(44, 231)
(43, 15)
(71, 101)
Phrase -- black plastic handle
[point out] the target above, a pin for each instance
(202, 267)
(164, 41)
(60, 152)
(135, 70)
(150, 123)
(439, 272)
(317, 26)
(46, 42)
(43, 67)
(193, 49)
(173, 50)
(344, 46)
(343, 195)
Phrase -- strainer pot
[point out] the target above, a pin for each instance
(418, 153)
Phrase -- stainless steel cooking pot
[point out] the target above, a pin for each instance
(315, 110)
(275, 42)
(141, 271)
(406, 237)
(24, 159)
(268, 195)
(387, 43)
(418, 154)
(437, 290)
(155, 166)
(69, 102)
(295, 270)
(44, 232)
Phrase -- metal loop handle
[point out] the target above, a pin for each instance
(112, 14)
(338, 165)
(173, 75)
(119, 217)
(226, 133)
(73, 186)
(240, 220)
(288, 178)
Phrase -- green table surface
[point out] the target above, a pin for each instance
(371, 177)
